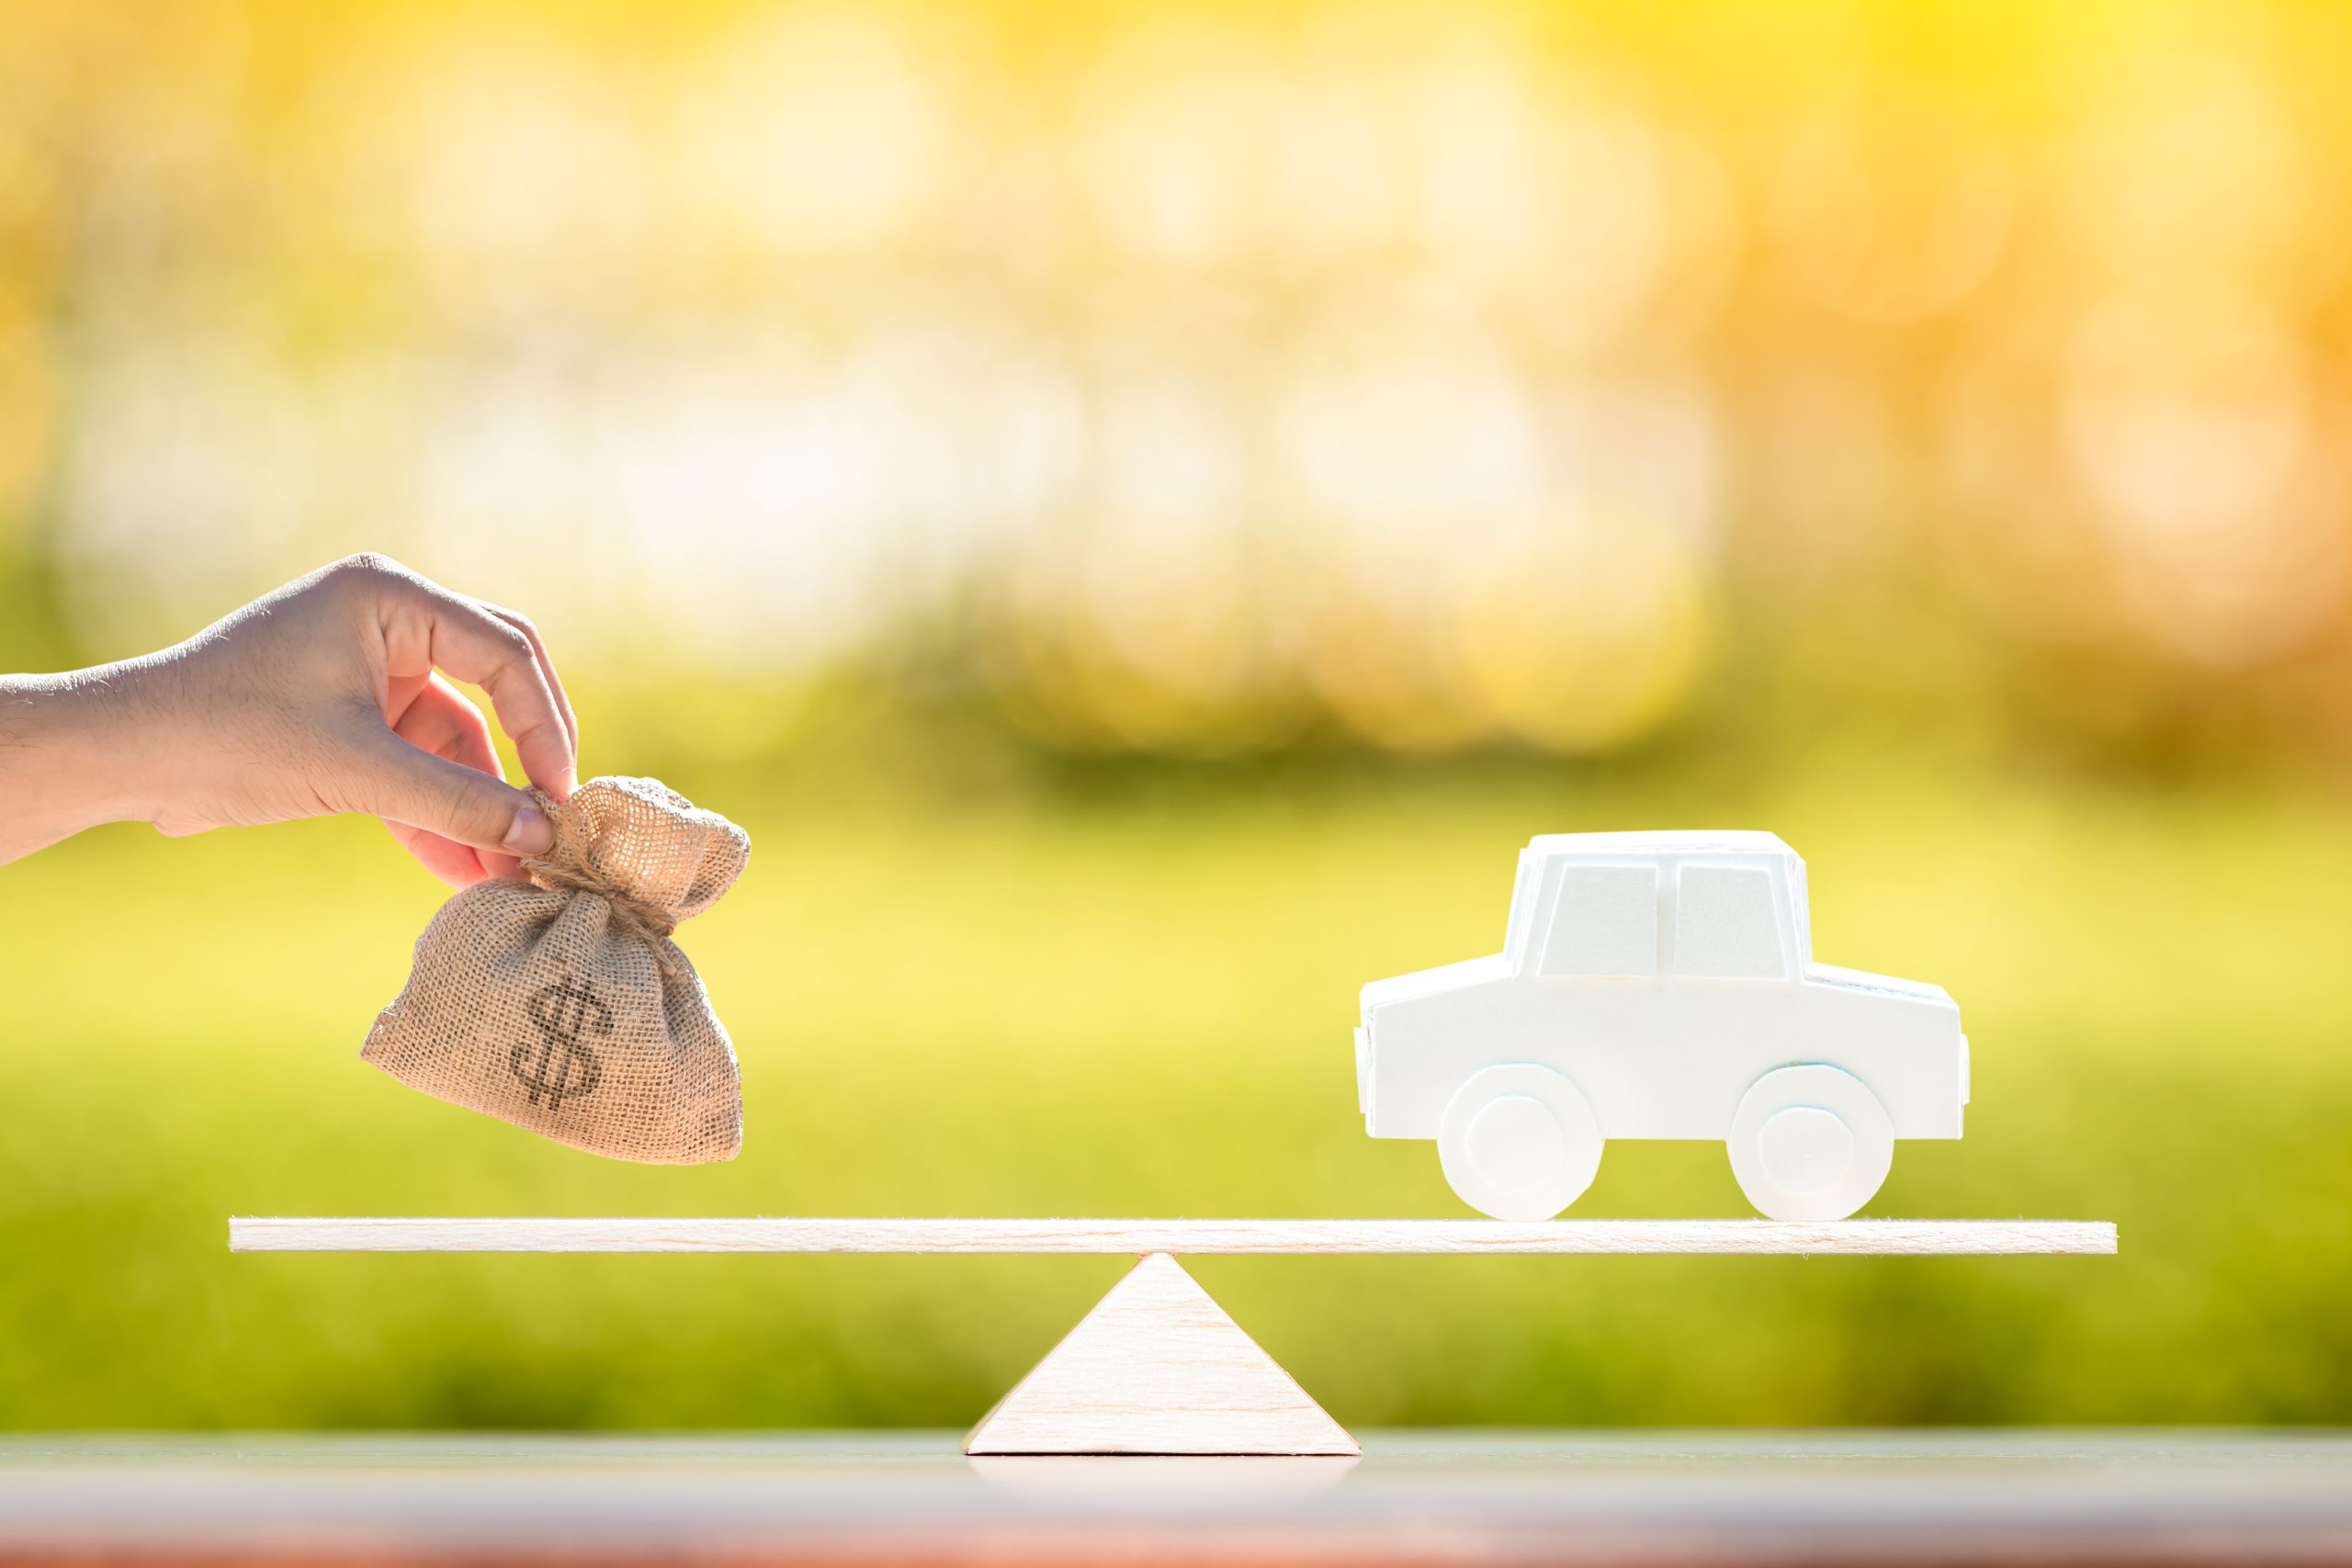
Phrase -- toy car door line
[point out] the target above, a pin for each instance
(1659, 985)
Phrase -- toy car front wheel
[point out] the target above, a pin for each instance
(1810, 1143)
(1518, 1142)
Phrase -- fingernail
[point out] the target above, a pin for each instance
(530, 834)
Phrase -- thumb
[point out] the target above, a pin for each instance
(400, 783)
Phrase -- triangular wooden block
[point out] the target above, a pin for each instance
(1157, 1368)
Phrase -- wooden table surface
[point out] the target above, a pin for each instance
(1944, 1497)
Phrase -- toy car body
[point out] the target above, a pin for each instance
(1659, 985)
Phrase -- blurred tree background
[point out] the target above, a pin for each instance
(1141, 510)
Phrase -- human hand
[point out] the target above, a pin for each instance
(328, 695)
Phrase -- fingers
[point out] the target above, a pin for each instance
(547, 668)
(428, 628)
(389, 778)
(460, 865)
(433, 714)
(440, 720)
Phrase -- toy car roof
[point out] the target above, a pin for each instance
(1671, 841)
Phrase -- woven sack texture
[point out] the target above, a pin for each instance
(563, 1005)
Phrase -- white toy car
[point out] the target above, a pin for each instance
(1659, 986)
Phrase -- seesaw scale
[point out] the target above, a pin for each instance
(1158, 1366)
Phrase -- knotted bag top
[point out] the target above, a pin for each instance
(643, 848)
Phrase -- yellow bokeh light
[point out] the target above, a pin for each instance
(1894, 213)
(2189, 413)
(1284, 362)
(1588, 637)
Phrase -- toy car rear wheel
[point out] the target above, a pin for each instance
(1810, 1143)
(1517, 1142)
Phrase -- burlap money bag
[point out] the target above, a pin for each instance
(561, 1005)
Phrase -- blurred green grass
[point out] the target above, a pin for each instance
(1136, 1000)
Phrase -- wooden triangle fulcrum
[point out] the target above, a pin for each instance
(1157, 1368)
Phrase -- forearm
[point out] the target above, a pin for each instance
(326, 696)
(67, 757)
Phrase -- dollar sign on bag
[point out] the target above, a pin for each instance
(562, 1013)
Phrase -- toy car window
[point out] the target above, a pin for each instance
(1604, 922)
(1723, 924)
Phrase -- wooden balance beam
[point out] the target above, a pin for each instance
(1974, 1238)
(1157, 1368)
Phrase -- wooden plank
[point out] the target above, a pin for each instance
(1927, 1237)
